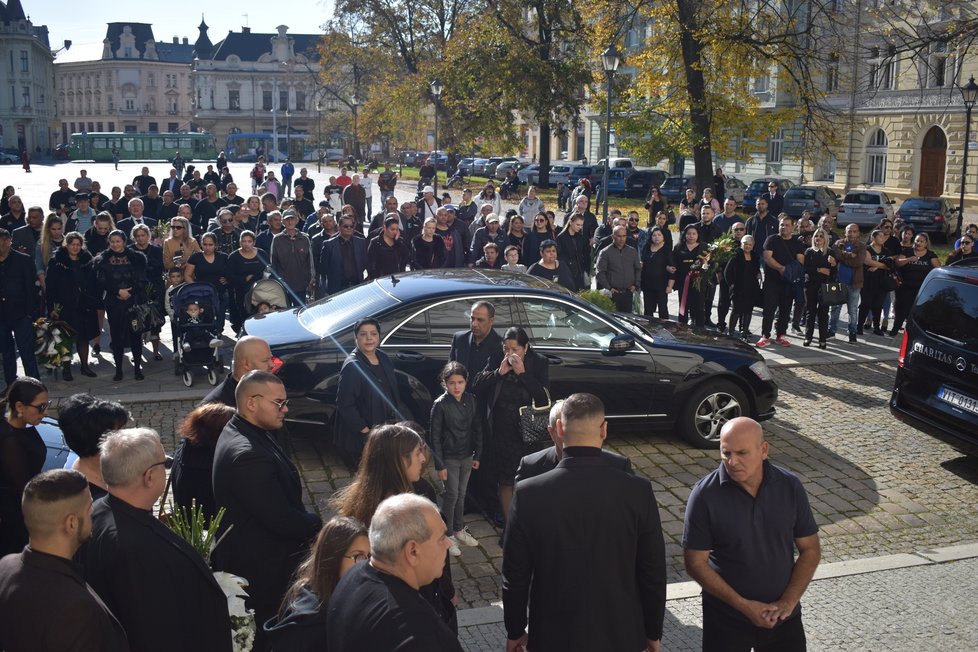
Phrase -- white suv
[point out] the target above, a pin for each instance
(865, 208)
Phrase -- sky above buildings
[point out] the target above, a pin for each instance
(174, 18)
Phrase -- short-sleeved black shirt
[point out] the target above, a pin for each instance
(784, 251)
(751, 539)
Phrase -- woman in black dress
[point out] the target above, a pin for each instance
(245, 267)
(540, 231)
(367, 393)
(656, 204)
(875, 272)
(120, 275)
(71, 288)
(656, 280)
(513, 378)
(685, 255)
(516, 235)
(428, 248)
(210, 266)
(194, 457)
(820, 268)
(549, 267)
(914, 264)
(22, 453)
(154, 276)
(84, 420)
(742, 275)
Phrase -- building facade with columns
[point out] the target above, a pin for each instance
(27, 102)
(129, 82)
(259, 83)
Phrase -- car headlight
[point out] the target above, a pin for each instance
(761, 370)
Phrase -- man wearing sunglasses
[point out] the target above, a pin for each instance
(155, 583)
(266, 527)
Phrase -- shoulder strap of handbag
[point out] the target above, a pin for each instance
(166, 492)
(533, 402)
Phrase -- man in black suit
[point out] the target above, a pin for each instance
(540, 462)
(250, 352)
(158, 586)
(266, 528)
(578, 600)
(136, 216)
(775, 201)
(472, 348)
(43, 580)
(343, 259)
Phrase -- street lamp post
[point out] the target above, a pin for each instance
(319, 138)
(288, 133)
(970, 95)
(436, 89)
(610, 59)
(354, 103)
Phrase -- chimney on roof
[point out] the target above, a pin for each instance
(186, 41)
(246, 30)
(176, 40)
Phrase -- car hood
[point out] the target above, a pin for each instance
(664, 331)
(278, 328)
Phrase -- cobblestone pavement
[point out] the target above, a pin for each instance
(927, 607)
(876, 486)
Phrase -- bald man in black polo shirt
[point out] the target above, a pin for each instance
(743, 523)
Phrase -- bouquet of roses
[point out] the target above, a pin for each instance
(53, 340)
(718, 253)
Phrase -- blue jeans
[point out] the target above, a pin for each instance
(453, 503)
(21, 332)
(852, 312)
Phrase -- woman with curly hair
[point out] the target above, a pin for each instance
(193, 460)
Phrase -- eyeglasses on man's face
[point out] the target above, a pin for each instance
(166, 463)
(280, 403)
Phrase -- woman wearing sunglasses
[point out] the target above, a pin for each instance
(22, 454)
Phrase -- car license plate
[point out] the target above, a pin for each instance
(921, 218)
(958, 400)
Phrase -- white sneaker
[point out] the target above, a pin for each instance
(465, 538)
(186, 346)
(454, 551)
(216, 343)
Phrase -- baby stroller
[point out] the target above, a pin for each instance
(266, 295)
(196, 338)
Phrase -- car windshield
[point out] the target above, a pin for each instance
(800, 193)
(759, 186)
(674, 182)
(865, 198)
(948, 310)
(921, 205)
(342, 310)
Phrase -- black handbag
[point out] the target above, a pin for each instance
(534, 420)
(147, 317)
(833, 293)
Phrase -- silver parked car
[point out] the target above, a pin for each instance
(736, 189)
(529, 175)
(865, 208)
(479, 167)
(817, 200)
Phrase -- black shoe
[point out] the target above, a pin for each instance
(893, 333)
(87, 371)
(821, 344)
(878, 331)
(859, 331)
(118, 375)
(807, 342)
(710, 324)
(66, 373)
(831, 334)
(138, 375)
(157, 356)
(796, 329)
(96, 349)
(852, 338)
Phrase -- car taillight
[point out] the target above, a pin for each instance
(879, 210)
(818, 204)
(938, 218)
(842, 209)
(903, 350)
(276, 364)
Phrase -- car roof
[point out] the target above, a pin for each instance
(446, 282)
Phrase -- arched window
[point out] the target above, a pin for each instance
(876, 158)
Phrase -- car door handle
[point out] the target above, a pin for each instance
(554, 359)
(409, 356)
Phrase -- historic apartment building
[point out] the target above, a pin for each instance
(27, 102)
(128, 82)
(252, 82)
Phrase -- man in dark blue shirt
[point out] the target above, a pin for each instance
(743, 523)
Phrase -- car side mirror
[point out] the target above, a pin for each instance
(621, 344)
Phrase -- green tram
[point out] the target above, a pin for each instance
(97, 146)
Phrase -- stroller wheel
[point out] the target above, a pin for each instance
(212, 377)
(188, 379)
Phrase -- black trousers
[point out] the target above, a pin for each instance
(623, 300)
(656, 299)
(723, 632)
(723, 306)
(709, 290)
(816, 311)
(776, 300)
(120, 328)
(743, 308)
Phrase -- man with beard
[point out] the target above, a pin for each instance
(143, 181)
(44, 579)
(206, 209)
(302, 204)
(62, 200)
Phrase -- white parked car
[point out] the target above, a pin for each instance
(865, 208)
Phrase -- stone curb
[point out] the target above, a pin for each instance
(685, 590)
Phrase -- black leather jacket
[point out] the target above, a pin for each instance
(456, 428)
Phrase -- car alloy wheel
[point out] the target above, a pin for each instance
(709, 409)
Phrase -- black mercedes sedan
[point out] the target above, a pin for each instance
(657, 373)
